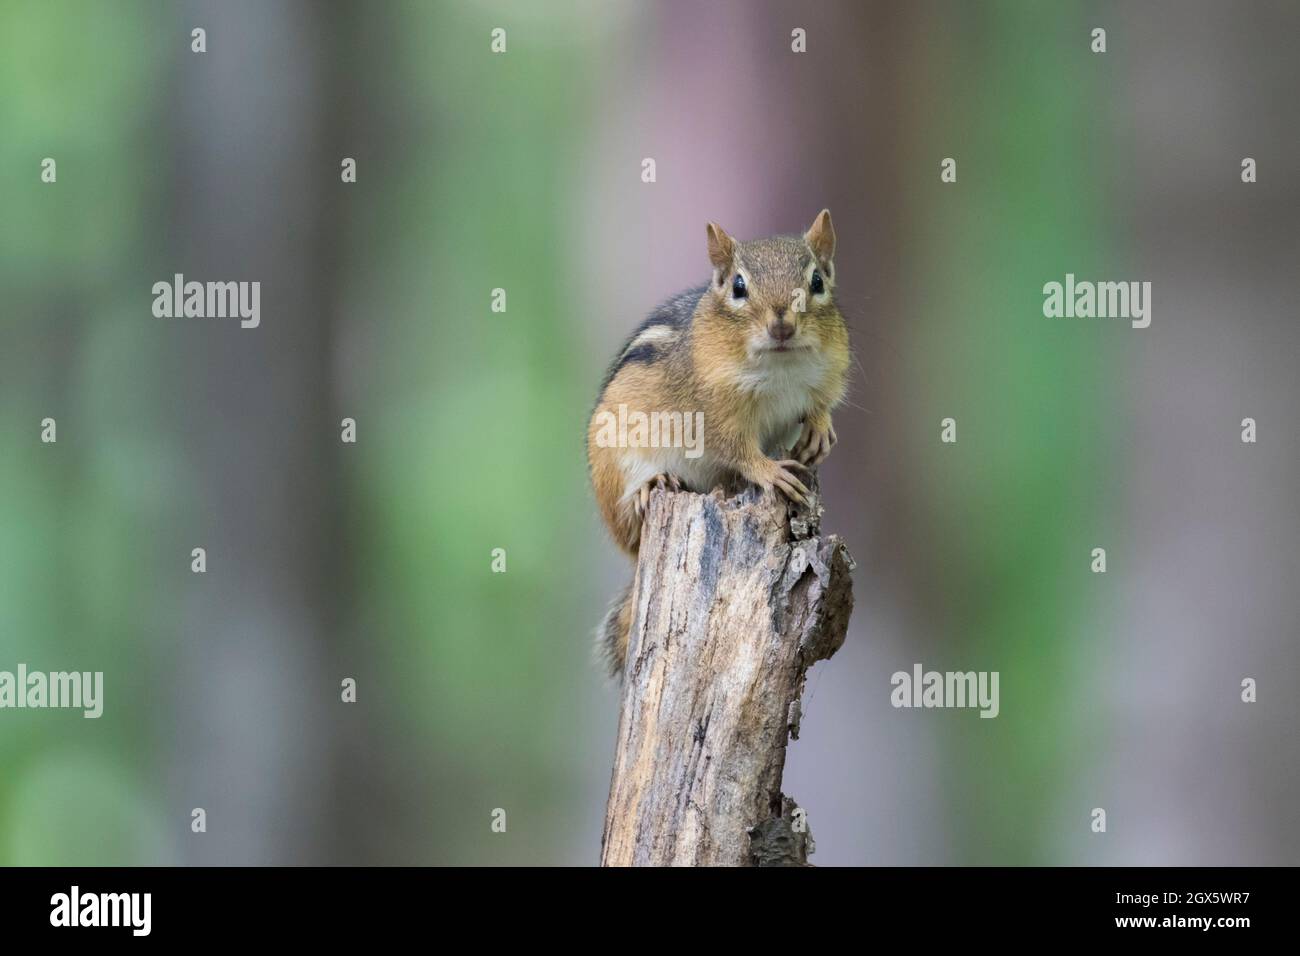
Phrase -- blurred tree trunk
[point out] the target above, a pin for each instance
(256, 195)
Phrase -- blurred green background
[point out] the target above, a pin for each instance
(521, 170)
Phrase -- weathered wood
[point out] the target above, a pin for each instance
(734, 600)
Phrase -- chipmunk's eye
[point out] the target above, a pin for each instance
(816, 284)
(738, 288)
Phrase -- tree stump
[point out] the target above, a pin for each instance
(734, 599)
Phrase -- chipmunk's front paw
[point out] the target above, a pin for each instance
(815, 442)
(781, 476)
(663, 481)
(789, 485)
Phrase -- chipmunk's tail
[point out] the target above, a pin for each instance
(613, 632)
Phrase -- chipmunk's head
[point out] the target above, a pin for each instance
(778, 292)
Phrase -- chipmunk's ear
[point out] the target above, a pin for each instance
(821, 236)
(722, 248)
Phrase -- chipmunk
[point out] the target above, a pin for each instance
(758, 358)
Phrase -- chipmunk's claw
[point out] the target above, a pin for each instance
(785, 481)
(814, 443)
(664, 482)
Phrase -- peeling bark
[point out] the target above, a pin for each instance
(734, 600)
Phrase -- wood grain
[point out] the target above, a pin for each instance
(734, 600)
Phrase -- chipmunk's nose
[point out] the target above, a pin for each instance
(778, 328)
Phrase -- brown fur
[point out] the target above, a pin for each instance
(710, 366)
